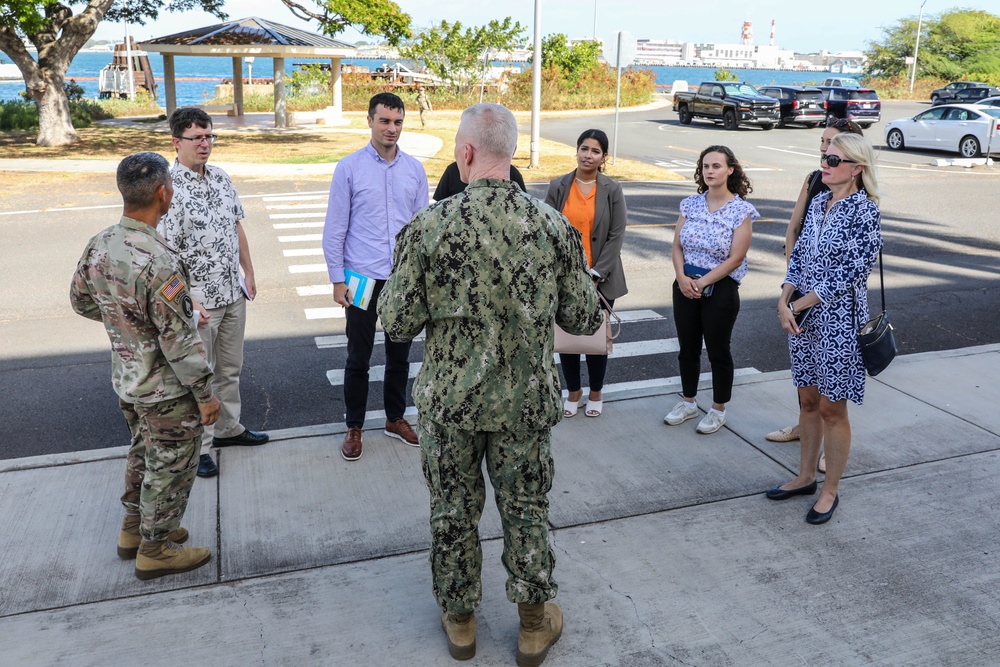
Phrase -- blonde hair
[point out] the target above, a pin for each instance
(856, 147)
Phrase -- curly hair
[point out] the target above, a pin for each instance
(737, 183)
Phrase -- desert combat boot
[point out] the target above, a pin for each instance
(461, 631)
(129, 539)
(541, 627)
(156, 559)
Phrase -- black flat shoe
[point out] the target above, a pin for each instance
(815, 518)
(778, 493)
(247, 438)
(207, 467)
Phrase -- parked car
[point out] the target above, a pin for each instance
(861, 105)
(961, 128)
(731, 104)
(841, 82)
(989, 102)
(970, 95)
(798, 104)
(947, 93)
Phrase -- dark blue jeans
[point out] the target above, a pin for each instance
(360, 342)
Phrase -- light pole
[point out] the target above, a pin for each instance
(536, 88)
(920, 18)
(595, 20)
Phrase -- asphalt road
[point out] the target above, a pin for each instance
(941, 255)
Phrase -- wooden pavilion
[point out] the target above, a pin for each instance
(252, 37)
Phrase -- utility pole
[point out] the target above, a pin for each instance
(920, 18)
(536, 88)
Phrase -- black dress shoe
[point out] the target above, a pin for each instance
(207, 467)
(778, 493)
(246, 438)
(815, 518)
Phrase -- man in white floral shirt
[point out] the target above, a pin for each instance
(203, 225)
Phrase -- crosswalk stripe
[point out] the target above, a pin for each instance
(302, 252)
(300, 197)
(315, 290)
(307, 268)
(297, 225)
(324, 342)
(292, 216)
(300, 238)
(325, 313)
(297, 207)
(621, 350)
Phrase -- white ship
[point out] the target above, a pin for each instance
(9, 71)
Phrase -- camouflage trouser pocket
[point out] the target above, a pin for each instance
(430, 454)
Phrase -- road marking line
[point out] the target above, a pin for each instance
(296, 225)
(292, 196)
(307, 268)
(302, 252)
(278, 207)
(325, 342)
(293, 216)
(315, 290)
(640, 348)
(300, 238)
(325, 313)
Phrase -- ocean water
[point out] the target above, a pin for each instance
(198, 76)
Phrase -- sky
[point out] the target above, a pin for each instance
(804, 27)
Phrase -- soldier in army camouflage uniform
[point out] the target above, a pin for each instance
(487, 272)
(129, 279)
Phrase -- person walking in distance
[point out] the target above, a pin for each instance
(136, 285)
(374, 194)
(487, 273)
(204, 224)
(424, 104)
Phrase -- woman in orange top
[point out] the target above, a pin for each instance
(595, 205)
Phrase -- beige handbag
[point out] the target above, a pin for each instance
(599, 342)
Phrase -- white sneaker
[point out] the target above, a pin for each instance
(712, 422)
(680, 414)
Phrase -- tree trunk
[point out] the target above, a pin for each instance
(55, 127)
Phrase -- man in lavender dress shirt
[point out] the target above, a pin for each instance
(374, 194)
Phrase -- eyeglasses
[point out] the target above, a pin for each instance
(210, 138)
(833, 161)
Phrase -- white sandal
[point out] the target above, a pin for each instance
(570, 407)
(594, 408)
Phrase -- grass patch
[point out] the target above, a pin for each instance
(304, 147)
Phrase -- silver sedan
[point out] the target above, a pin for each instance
(967, 129)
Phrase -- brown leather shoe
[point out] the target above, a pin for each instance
(351, 449)
(401, 430)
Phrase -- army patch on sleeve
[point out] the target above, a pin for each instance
(172, 288)
(187, 306)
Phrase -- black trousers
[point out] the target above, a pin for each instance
(597, 367)
(360, 342)
(710, 318)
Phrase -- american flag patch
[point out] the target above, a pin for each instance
(172, 288)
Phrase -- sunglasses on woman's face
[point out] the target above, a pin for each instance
(833, 161)
(839, 123)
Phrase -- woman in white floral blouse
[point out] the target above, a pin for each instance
(709, 256)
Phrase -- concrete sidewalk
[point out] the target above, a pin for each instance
(668, 552)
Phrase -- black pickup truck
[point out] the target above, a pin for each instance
(732, 104)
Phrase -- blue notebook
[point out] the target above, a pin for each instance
(359, 288)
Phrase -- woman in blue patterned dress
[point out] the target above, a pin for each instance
(710, 259)
(830, 265)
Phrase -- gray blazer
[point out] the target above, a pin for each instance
(608, 234)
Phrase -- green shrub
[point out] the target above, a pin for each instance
(143, 105)
(18, 115)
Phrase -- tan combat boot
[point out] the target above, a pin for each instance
(461, 631)
(156, 559)
(541, 627)
(129, 539)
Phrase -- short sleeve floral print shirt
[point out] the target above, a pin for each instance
(201, 226)
(706, 238)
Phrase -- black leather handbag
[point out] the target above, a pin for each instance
(877, 338)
